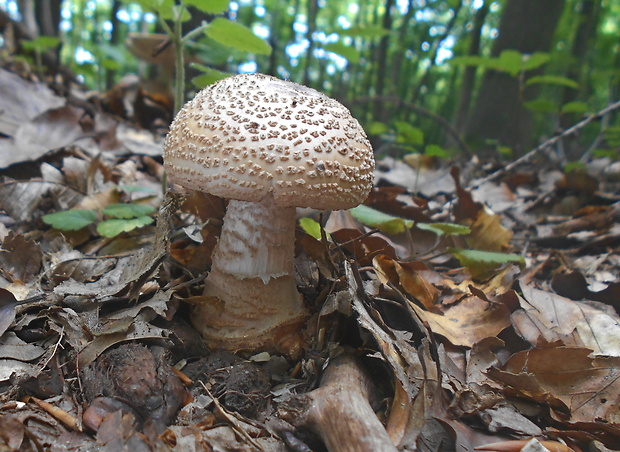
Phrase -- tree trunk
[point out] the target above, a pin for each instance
(527, 26)
(114, 40)
(381, 62)
(313, 10)
(469, 74)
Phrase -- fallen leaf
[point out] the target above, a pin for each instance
(468, 321)
(577, 386)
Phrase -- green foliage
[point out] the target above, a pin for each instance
(208, 76)
(509, 61)
(70, 220)
(311, 227)
(574, 166)
(127, 210)
(41, 44)
(387, 224)
(209, 6)
(552, 80)
(377, 128)
(418, 58)
(370, 31)
(434, 150)
(612, 136)
(121, 218)
(446, 229)
(541, 105)
(575, 107)
(237, 36)
(116, 226)
(480, 263)
(345, 51)
(408, 134)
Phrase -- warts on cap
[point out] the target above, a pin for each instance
(253, 134)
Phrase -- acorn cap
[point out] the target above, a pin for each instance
(251, 134)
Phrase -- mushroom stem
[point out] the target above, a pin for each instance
(257, 240)
(251, 294)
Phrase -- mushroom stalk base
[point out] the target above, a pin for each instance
(251, 298)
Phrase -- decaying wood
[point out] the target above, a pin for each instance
(339, 410)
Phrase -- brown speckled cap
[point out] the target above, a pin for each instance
(252, 134)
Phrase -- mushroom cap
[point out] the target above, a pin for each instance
(251, 135)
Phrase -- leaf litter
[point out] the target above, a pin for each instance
(482, 317)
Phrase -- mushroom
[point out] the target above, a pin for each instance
(268, 146)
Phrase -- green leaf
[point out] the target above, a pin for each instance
(364, 31)
(237, 36)
(208, 77)
(116, 226)
(70, 220)
(408, 134)
(41, 44)
(552, 80)
(575, 107)
(377, 128)
(444, 228)
(534, 60)
(574, 166)
(388, 224)
(128, 210)
(510, 61)
(541, 105)
(482, 262)
(311, 227)
(164, 8)
(471, 60)
(345, 51)
(137, 189)
(208, 6)
(434, 150)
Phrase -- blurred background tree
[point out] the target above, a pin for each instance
(427, 76)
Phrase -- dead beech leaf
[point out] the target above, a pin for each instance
(12, 431)
(487, 232)
(468, 321)
(577, 386)
(20, 258)
(21, 101)
(546, 317)
(408, 276)
(416, 285)
(50, 130)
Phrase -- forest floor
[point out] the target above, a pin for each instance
(458, 349)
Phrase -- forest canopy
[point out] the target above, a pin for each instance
(419, 74)
(434, 77)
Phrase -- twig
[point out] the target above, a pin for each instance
(550, 142)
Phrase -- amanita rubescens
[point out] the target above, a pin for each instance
(268, 146)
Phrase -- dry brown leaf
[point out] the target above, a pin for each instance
(487, 232)
(545, 317)
(577, 386)
(468, 321)
(20, 258)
